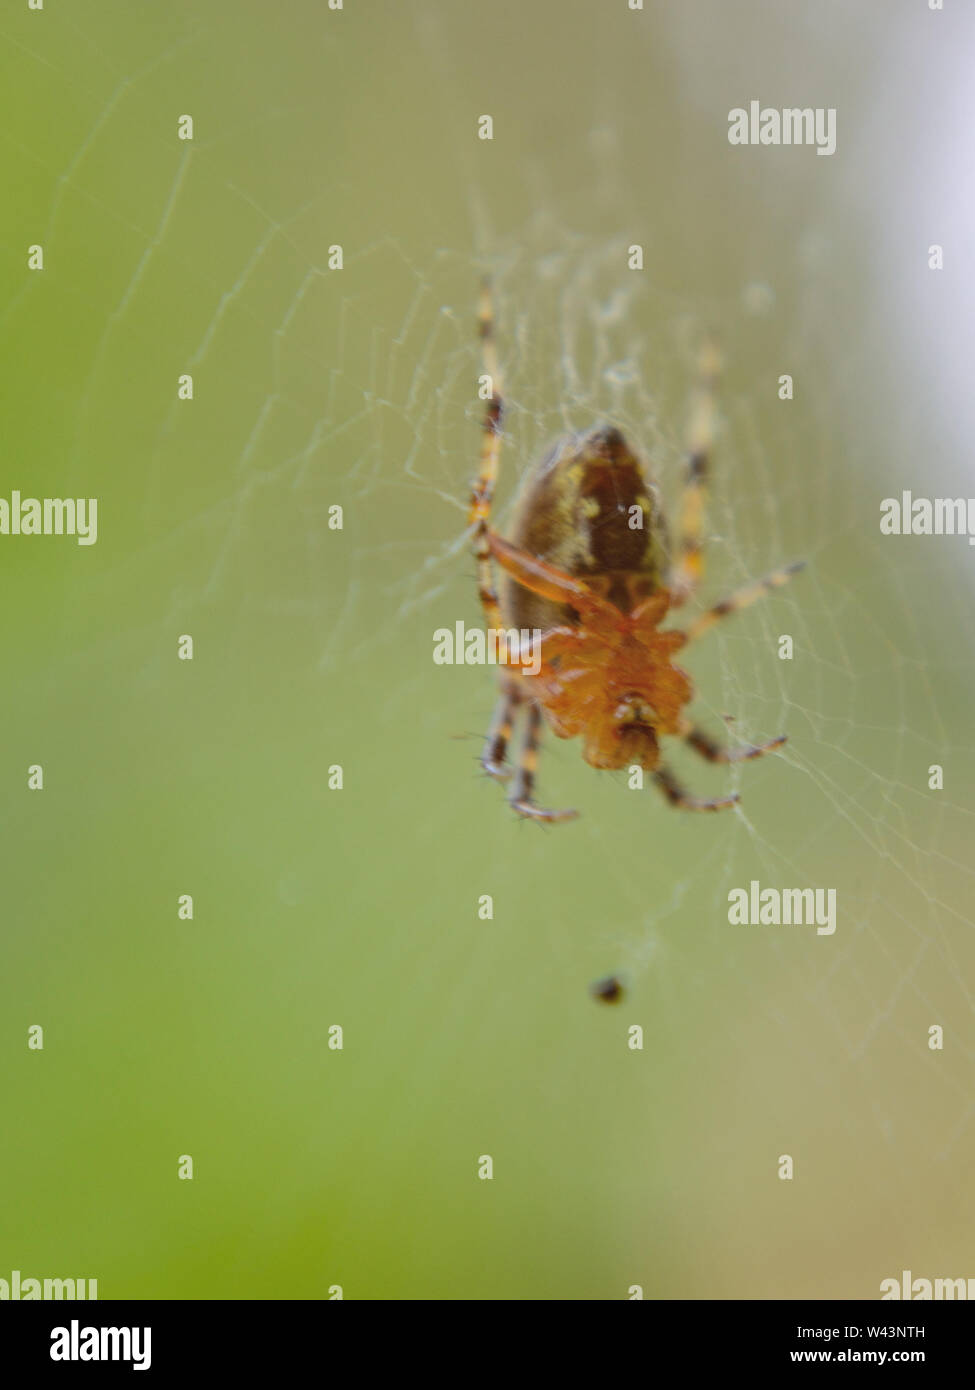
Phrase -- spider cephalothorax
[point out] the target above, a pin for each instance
(617, 692)
(607, 676)
(589, 566)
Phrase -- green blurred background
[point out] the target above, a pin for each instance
(314, 907)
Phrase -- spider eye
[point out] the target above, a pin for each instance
(633, 710)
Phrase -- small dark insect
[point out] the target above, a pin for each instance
(610, 990)
(589, 566)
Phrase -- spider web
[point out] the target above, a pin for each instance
(357, 387)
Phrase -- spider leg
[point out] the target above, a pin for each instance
(482, 493)
(521, 793)
(743, 598)
(539, 577)
(678, 797)
(716, 753)
(495, 754)
(688, 568)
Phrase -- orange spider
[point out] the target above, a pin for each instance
(588, 567)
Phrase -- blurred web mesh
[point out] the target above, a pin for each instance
(361, 390)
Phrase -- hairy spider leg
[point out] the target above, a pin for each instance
(521, 793)
(667, 783)
(482, 493)
(494, 758)
(482, 498)
(743, 598)
(716, 752)
(553, 583)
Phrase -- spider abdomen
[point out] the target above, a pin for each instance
(588, 508)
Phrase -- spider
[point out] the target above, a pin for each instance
(588, 566)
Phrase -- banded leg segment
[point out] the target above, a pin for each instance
(715, 752)
(521, 793)
(688, 568)
(482, 493)
(677, 796)
(743, 598)
(494, 758)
